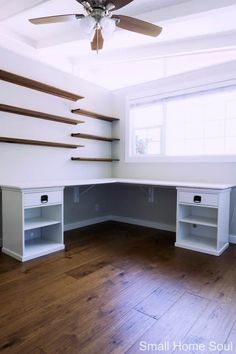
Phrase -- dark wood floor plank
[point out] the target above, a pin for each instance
(214, 324)
(102, 291)
(118, 338)
(174, 324)
(98, 300)
(230, 344)
(160, 301)
(90, 292)
(44, 303)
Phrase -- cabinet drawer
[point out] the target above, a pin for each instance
(44, 198)
(207, 199)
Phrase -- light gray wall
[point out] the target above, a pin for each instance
(93, 203)
(131, 201)
(120, 200)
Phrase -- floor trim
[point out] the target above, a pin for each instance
(123, 219)
(146, 223)
(84, 223)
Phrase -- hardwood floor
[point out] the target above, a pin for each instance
(115, 289)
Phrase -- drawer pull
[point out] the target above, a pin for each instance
(44, 199)
(197, 199)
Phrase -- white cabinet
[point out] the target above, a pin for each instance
(203, 220)
(32, 222)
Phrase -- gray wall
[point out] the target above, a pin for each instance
(93, 203)
(125, 201)
(131, 201)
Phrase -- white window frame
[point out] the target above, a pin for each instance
(129, 158)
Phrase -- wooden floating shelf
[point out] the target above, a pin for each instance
(93, 159)
(36, 114)
(37, 142)
(93, 137)
(83, 112)
(36, 85)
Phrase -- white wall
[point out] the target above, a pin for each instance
(191, 172)
(32, 163)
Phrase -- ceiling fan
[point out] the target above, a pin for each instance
(100, 21)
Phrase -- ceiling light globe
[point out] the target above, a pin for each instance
(108, 26)
(87, 25)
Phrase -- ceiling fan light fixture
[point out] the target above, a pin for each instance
(100, 23)
(88, 25)
(108, 26)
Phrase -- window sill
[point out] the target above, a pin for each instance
(182, 159)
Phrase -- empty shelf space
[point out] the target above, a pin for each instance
(93, 159)
(90, 114)
(93, 137)
(39, 86)
(36, 114)
(34, 223)
(198, 243)
(39, 247)
(199, 220)
(38, 143)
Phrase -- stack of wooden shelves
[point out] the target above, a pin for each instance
(39, 86)
(94, 115)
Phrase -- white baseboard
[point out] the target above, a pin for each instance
(79, 224)
(232, 239)
(12, 254)
(146, 223)
(124, 219)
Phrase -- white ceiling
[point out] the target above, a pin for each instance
(189, 26)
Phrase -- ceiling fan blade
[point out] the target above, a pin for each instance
(118, 4)
(135, 25)
(55, 19)
(98, 40)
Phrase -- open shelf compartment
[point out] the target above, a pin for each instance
(197, 237)
(42, 217)
(43, 231)
(42, 241)
(198, 215)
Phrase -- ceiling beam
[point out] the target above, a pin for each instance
(199, 44)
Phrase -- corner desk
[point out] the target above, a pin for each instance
(202, 215)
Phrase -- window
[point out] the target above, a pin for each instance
(147, 121)
(201, 124)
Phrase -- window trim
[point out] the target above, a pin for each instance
(129, 158)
